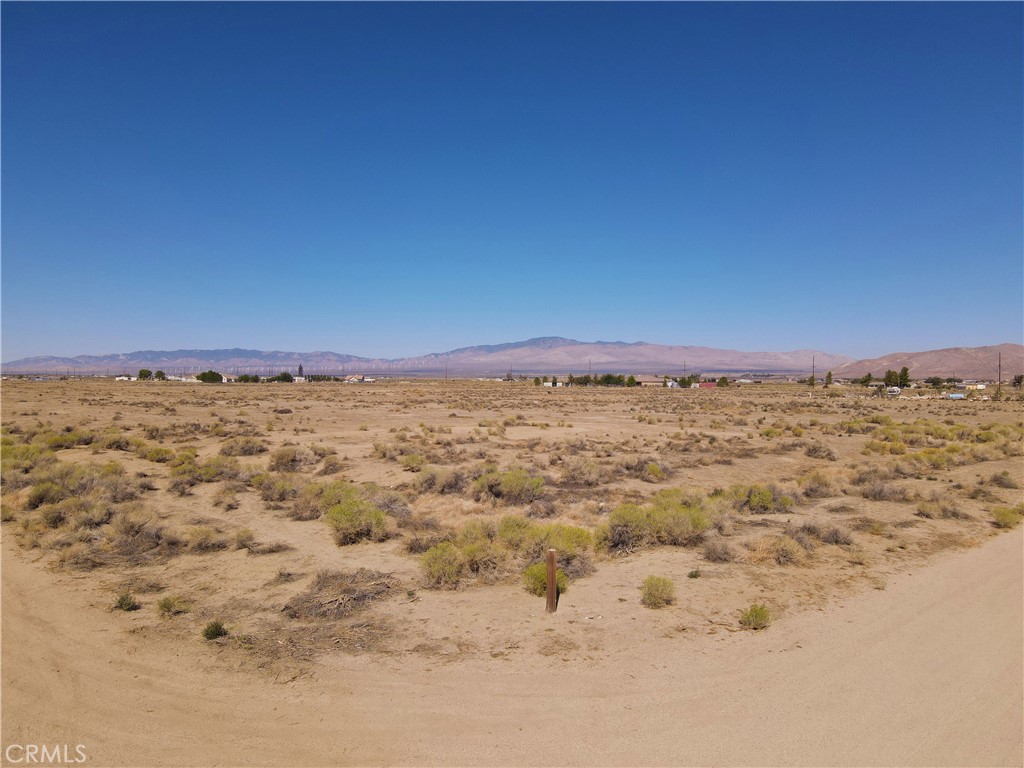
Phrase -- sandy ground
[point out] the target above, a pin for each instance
(926, 672)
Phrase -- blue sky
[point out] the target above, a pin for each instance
(397, 179)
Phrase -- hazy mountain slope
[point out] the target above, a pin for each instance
(550, 354)
(961, 362)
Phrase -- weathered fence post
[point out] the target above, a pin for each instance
(552, 605)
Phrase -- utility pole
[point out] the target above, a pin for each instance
(999, 384)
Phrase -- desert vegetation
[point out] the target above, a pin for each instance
(320, 517)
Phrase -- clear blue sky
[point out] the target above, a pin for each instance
(397, 179)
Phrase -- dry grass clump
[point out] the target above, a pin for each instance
(941, 507)
(172, 605)
(336, 594)
(1003, 480)
(291, 458)
(214, 630)
(136, 537)
(718, 551)
(126, 602)
(657, 592)
(203, 538)
(755, 617)
(242, 446)
(441, 480)
(887, 492)
(643, 468)
(817, 485)
(780, 550)
(582, 473)
(833, 534)
(276, 489)
(1008, 517)
(819, 451)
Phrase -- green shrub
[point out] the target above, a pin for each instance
(172, 605)
(657, 592)
(126, 602)
(1008, 517)
(513, 531)
(214, 629)
(535, 579)
(626, 530)
(443, 565)
(315, 499)
(513, 487)
(44, 493)
(210, 377)
(157, 454)
(755, 617)
(412, 462)
(356, 519)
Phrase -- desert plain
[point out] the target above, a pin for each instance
(333, 574)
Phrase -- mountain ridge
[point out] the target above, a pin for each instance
(541, 355)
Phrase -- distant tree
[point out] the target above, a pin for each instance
(892, 379)
(953, 380)
(904, 378)
(536, 381)
(866, 380)
(810, 381)
(723, 382)
(210, 377)
(145, 374)
(247, 378)
(284, 377)
(554, 379)
(828, 379)
(160, 376)
(300, 370)
(570, 380)
(631, 380)
(545, 379)
(1018, 381)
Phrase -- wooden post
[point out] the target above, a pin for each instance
(552, 605)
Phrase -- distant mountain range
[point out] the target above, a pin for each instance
(545, 355)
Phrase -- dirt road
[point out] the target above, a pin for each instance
(927, 672)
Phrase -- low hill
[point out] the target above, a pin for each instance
(960, 362)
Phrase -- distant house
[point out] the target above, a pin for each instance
(646, 380)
